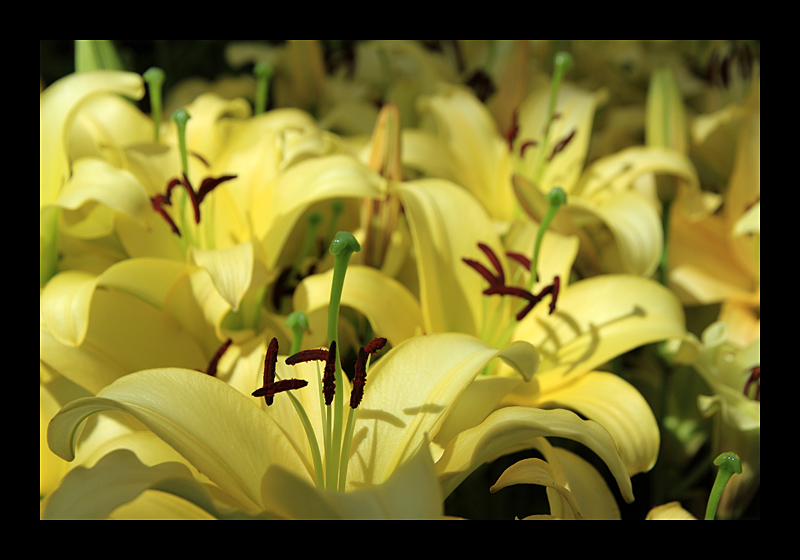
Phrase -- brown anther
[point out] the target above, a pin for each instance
(271, 387)
(513, 130)
(375, 345)
(160, 200)
(329, 376)
(497, 282)
(755, 377)
(212, 365)
(359, 379)
(561, 145)
(307, 356)
(525, 145)
(520, 258)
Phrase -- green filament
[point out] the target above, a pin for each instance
(298, 322)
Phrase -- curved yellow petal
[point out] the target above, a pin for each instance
(447, 223)
(95, 180)
(117, 479)
(124, 335)
(507, 427)
(597, 319)
(613, 403)
(58, 105)
(219, 430)
(390, 307)
(671, 511)
(535, 471)
(468, 129)
(307, 182)
(635, 226)
(231, 270)
(411, 390)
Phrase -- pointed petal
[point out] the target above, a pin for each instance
(447, 224)
(535, 471)
(118, 478)
(231, 270)
(219, 430)
(597, 319)
(508, 427)
(411, 390)
(95, 180)
(58, 105)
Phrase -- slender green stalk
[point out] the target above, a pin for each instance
(155, 80)
(729, 464)
(263, 72)
(561, 63)
(298, 322)
(557, 198)
(342, 248)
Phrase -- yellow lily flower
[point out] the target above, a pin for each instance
(733, 374)
(260, 456)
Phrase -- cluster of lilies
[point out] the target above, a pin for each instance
(343, 305)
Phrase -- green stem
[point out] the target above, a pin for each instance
(557, 197)
(263, 72)
(342, 248)
(561, 63)
(729, 464)
(298, 322)
(155, 80)
(180, 118)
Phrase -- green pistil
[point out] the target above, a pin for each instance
(180, 118)
(342, 248)
(557, 198)
(561, 63)
(729, 464)
(155, 80)
(263, 72)
(298, 322)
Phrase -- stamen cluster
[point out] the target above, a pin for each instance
(159, 201)
(497, 281)
(272, 387)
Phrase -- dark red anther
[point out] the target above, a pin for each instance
(307, 356)
(520, 258)
(212, 365)
(501, 277)
(375, 345)
(482, 270)
(359, 379)
(160, 200)
(755, 377)
(271, 387)
(525, 145)
(329, 376)
(561, 145)
(513, 130)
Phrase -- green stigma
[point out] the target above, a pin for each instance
(155, 80)
(180, 118)
(729, 464)
(557, 198)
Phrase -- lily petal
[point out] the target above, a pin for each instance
(231, 270)
(411, 492)
(613, 403)
(116, 479)
(410, 392)
(535, 471)
(511, 426)
(196, 415)
(447, 223)
(597, 319)
(390, 307)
